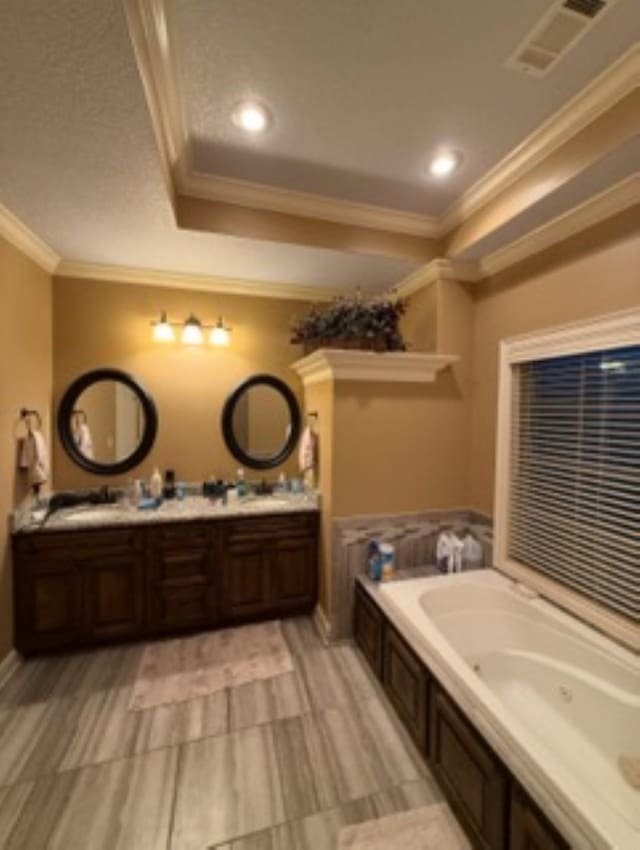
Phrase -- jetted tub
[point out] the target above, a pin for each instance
(559, 702)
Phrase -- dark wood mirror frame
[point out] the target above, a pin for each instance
(67, 407)
(227, 422)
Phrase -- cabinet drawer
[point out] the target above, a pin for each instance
(180, 565)
(60, 544)
(470, 774)
(528, 828)
(182, 536)
(268, 527)
(406, 683)
(368, 626)
(179, 607)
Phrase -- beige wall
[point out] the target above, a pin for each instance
(403, 447)
(25, 381)
(605, 280)
(100, 324)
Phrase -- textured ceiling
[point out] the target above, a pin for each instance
(79, 164)
(363, 91)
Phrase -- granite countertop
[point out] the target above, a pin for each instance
(82, 517)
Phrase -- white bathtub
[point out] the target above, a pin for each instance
(558, 702)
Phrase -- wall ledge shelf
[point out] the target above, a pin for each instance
(335, 364)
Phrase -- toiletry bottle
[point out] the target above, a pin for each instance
(169, 484)
(137, 492)
(155, 484)
(241, 485)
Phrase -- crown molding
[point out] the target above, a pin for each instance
(244, 193)
(150, 32)
(438, 269)
(199, 282)
(604, 205)
(333, 364)
(21, 237)
(611, 86)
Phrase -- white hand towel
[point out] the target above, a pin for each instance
(308, 450)
(84, 440)
(37, 458)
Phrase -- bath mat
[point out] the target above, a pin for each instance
(428, 828)
(630, 769)
(179, 670)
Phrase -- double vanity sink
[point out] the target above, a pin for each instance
(174, 510)
(97, 574)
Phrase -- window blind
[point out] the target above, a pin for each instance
(574, 501)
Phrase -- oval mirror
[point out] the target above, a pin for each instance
(261, 422)
(107, 422)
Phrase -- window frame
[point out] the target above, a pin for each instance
(603, 333)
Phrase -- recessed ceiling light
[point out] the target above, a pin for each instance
(445, 163)
(251, 117)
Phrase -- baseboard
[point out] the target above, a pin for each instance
(8, 666)
(322, 624)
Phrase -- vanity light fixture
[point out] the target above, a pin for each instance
(252, 117)
(192, 331)
(220, 335)
(163, 330)
(445, 163)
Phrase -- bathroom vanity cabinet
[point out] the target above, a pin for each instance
(90, 587)
(490, 803)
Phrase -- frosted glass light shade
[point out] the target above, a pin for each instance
(192, 331)
(220, 335)
(162, 330)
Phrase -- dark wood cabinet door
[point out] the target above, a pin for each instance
(528, 828)
(48, 605)
(471, 776)
(293, 574)
(406, 683)
(246, 585)
(368, 627)
(114, 595)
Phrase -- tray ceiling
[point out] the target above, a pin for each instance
(362, 93)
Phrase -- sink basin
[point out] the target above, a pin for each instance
(266, 503)
(90, 513)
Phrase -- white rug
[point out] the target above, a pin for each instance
(429, 828)
(179, 670)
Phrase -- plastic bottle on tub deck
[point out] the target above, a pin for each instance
(388, 561)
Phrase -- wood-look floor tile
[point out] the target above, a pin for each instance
(178, 723)
(301, 635)
(267, 699)
(335, 676)
(320, 831)
(123, 805)
(328, 758)
(12, 801)
(228, 786)
(41, 812)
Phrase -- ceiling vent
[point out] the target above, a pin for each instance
(560, 29)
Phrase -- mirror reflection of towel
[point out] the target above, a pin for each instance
(84, 440)
(34, 458)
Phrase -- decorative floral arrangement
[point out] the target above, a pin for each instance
(353, 322)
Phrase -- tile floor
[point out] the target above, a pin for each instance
(279, 764)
